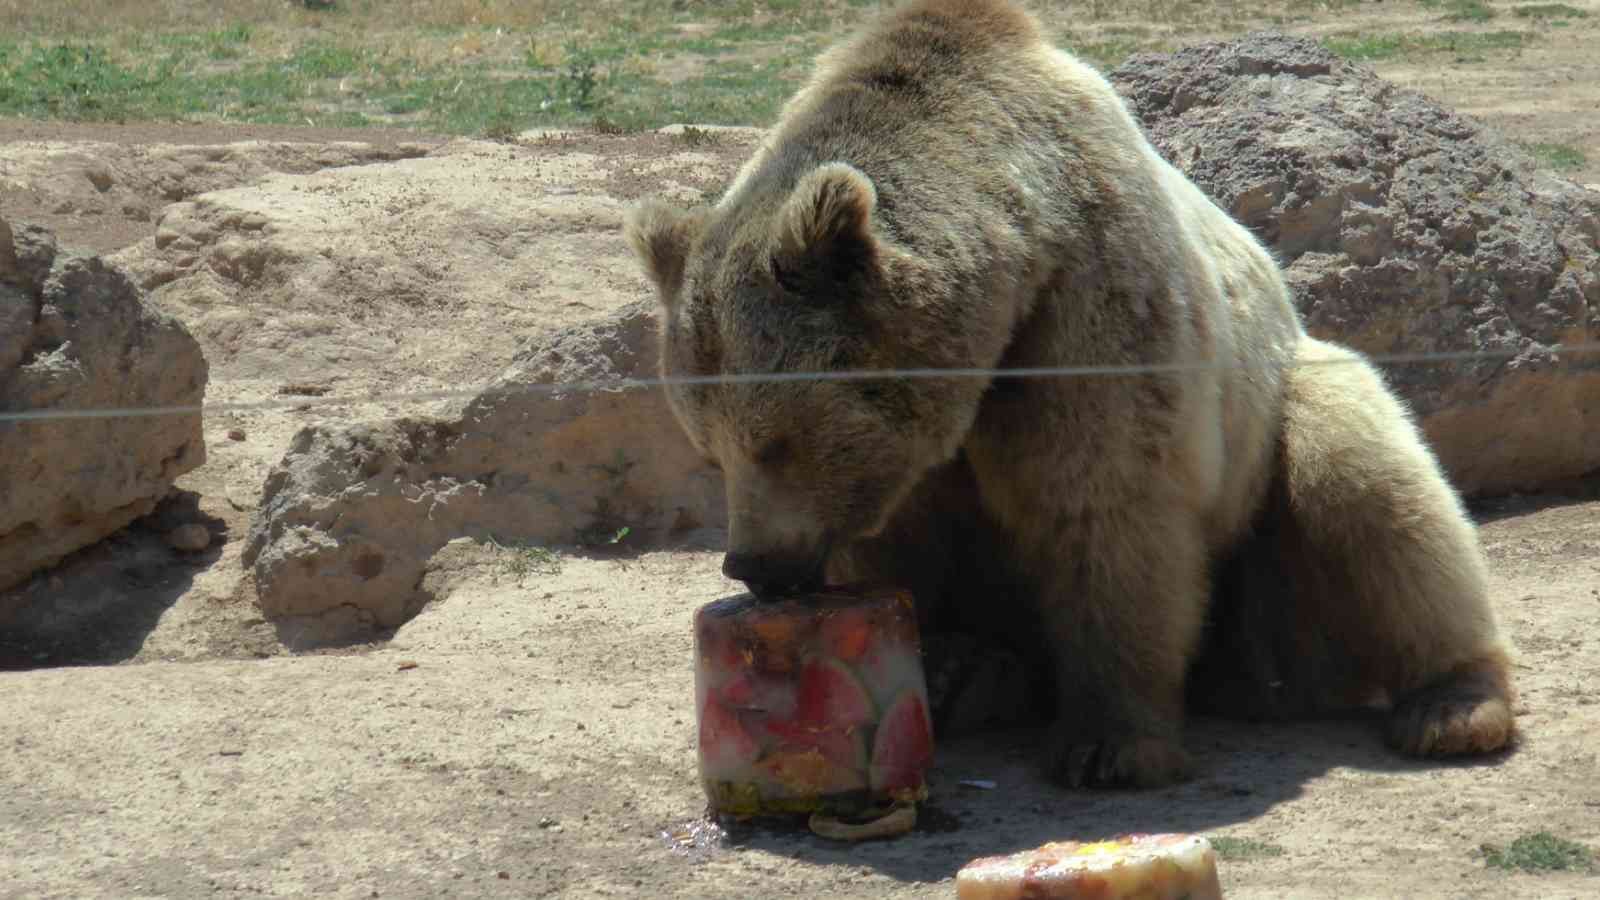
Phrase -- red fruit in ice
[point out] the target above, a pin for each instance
(724, 744)
(903, 746)
(845, 634)
(750, 691)
(831, 696)
(840, 746)
(739, 690)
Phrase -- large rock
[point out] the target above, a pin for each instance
(560, 450)
(75, 334)
(1405, 229)
(478, 265)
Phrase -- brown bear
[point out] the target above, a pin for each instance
(1206, 500)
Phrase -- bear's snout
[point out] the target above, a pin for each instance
(767, 574)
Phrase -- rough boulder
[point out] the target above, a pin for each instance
(1405, 229)
(76, 334)
(429, 275)
(559, 450)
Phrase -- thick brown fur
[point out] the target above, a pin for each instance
(949, 190)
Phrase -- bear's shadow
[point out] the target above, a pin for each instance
(1242, 770)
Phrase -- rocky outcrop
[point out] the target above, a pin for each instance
(76, 335)
(560, 450)
(1405, 229)
(478, 265)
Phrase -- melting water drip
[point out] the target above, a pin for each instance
(695, 838)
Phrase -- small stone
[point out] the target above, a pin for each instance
(190, 538)
(235, 434)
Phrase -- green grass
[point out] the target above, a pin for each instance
(1560, 157)
(180, 78)
(1549, 11)
(1232, 848)
(496, 67)
(1465, 45)
(1461, 10)
(1540, 852)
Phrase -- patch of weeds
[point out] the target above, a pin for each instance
(229, 43)
(1106, 54)
(604, 531)
(70, 81)
(522, 561)
(604, 125)
(503, 130)
(324, 61)
(1369, 47)
(691, 136)
(728, 92)
(1233, 848)
(1540, 852)
(1461, 10)
(1542, 11)
(579, 86)
(1365, 47)
(1561, 157)
(220, 45)
(773, 30)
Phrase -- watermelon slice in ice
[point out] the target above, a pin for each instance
(831, 695)
(903, 747)
(724, 743)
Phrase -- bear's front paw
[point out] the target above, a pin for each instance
(1077, 760)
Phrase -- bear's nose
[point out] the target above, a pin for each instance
(771, 573)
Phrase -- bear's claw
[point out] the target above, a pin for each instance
(1142, 762)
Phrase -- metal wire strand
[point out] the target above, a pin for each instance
(616, 384)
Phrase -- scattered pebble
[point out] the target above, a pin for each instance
(190, 538)
(235, 434)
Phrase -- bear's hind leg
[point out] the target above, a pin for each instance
(1388, 587)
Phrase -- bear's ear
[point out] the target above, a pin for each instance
(660, 235)
(825, 226)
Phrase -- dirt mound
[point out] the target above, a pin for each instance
(101, 196)
(1406, 228)
(82, 338)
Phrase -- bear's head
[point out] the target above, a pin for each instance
(767, 300)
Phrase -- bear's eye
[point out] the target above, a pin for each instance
(773, 451)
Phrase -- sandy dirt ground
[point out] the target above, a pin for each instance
(532, 734)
